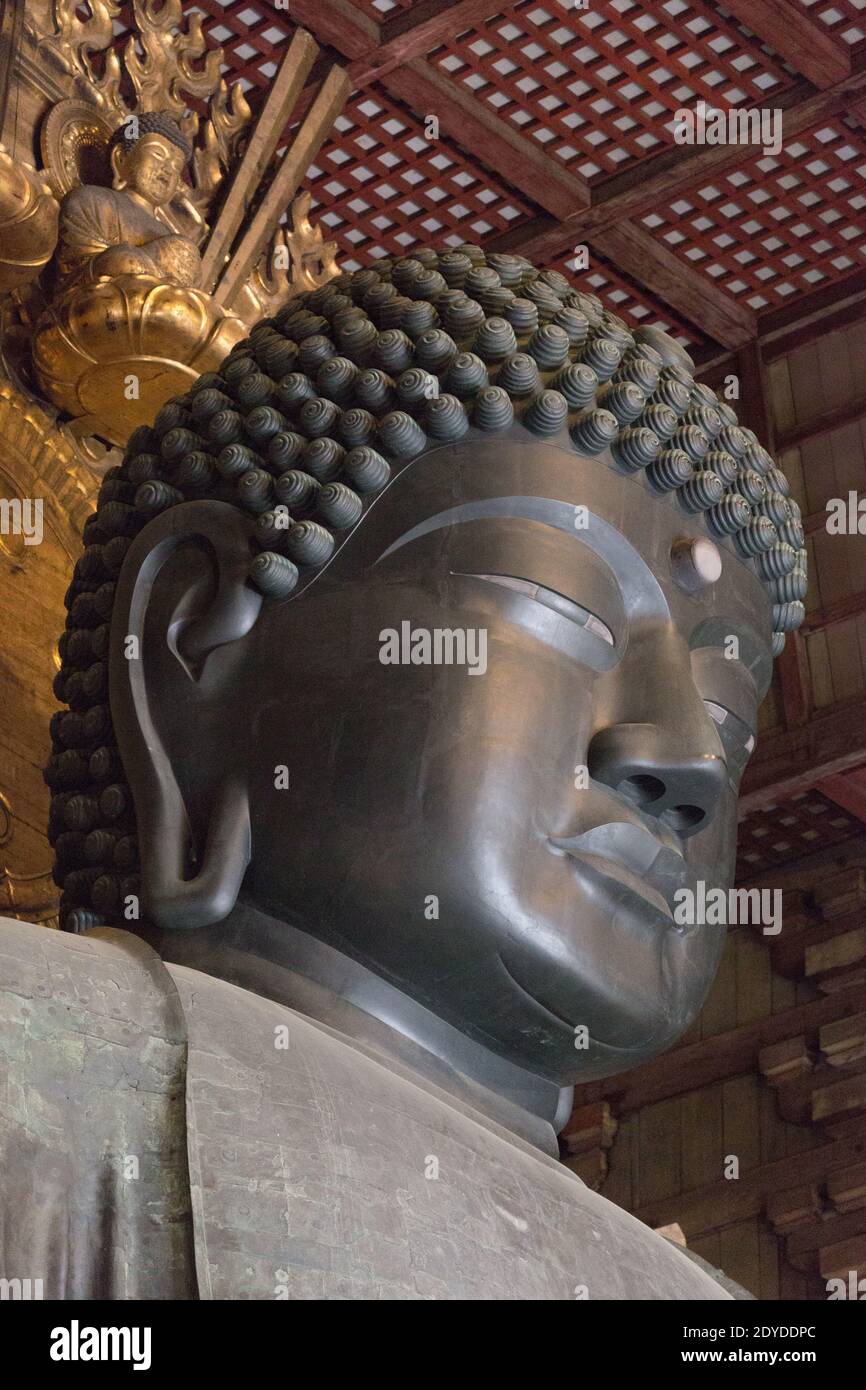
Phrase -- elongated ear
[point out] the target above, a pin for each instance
(182, 597)
(116, 162)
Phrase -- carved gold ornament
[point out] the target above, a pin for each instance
(28, 223)
(153, 277)
(74, 146)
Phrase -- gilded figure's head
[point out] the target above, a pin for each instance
(148, 155)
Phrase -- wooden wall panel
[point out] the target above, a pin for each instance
(622, 1162)
(791, 464)
(819, 669)
(772, 1127)
(835, 371)
(819, 376)
(719, 1013)
(806, 385)
(770, 714)
(846, 667)
(659, 1157)
(741, 1121)
(832, 578)
(702, 1137)
(781, 395)
(769, 1263)
(740, 1253)
(754, 990)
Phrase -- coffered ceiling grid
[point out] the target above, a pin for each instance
(777, 225)
(798, 826)
(844, 18)
(380, 188)
(589, 97)
(598, 88)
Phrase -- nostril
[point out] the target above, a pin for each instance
(683, 818)
(642, 789)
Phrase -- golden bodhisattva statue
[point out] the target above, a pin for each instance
(154, 237)
(116, 231)
(128, 322)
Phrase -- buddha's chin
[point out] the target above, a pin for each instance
(620, 976)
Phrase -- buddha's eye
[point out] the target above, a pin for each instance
(549, 598)
(737, 739)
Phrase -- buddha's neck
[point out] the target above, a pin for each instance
(273, 959)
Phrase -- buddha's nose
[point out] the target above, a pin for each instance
(679, 781)
(659, 748)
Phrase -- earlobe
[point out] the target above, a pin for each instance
(117, 179)
(200, 623)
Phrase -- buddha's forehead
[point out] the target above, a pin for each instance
(159, 144)
(512, 497)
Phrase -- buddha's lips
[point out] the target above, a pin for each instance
(631, 855)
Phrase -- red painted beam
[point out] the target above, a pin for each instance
(795, 760)
(802, 41)
(847, 790)
(692, 294)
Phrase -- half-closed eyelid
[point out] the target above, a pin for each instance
(725, 716)
(549, 598)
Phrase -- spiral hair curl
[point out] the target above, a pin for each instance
(307, 420)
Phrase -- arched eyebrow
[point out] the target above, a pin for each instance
(642, 594)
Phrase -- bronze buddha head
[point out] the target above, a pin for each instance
(439, 622)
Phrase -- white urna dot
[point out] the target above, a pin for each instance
(696, 563)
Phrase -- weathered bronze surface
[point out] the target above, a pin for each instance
(384, 912)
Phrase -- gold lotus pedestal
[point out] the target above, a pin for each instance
(156, 234)
(111, 352)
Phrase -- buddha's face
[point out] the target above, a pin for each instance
(503, 838)
(152, 168)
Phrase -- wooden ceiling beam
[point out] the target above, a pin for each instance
(795, 760)
(426, 91)
(849, 792)
(661, 177)
(692, 294)
(338, 23)
(495, 143)
(791, 32)
(722, 1203)
(828, 420)
(442, 12)
(415, 33)
(851, 606)
(719, 1058)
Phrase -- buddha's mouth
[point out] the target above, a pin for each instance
(630, 856)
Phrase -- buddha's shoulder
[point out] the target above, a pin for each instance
(90, 198)
(73, 979)
(314, 1163)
